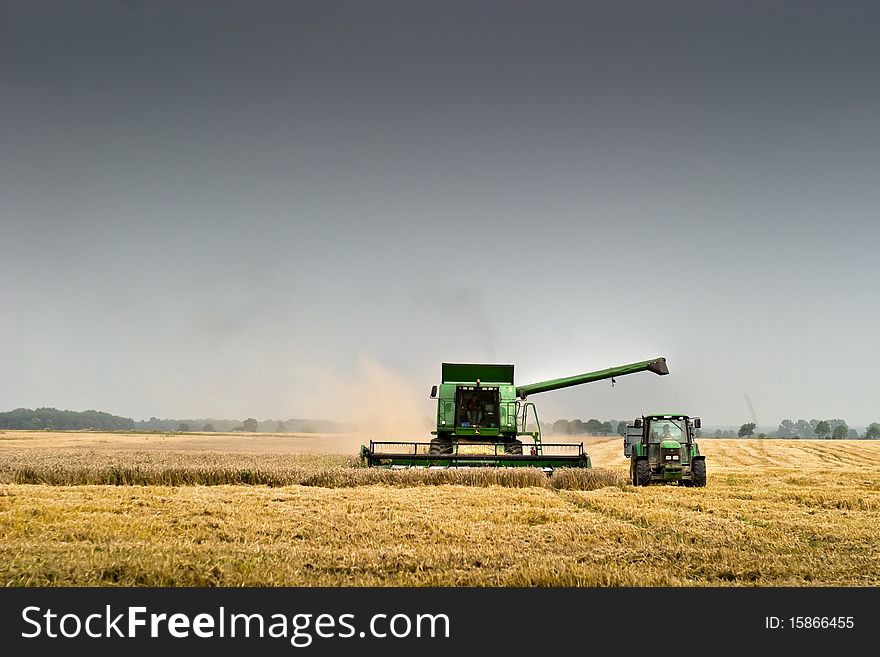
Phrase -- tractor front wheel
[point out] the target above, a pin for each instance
(699, 472)
(643, 473)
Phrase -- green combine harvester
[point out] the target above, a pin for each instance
(662, 449)
(483, 417)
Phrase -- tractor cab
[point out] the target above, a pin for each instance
(662, 448)
(662, 430)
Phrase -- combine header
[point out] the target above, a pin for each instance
(482, 417)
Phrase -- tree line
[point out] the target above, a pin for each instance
(248, 425)
(63, 420)
(52, 418)
(835, 429)
(591, 427)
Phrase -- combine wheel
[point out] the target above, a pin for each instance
(699, 472)
(643, 473)
(440, 446)
(513, 447)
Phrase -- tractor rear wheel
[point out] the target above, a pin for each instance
(699, 472)
(440, 446)
(643, 473)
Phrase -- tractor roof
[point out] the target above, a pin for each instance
(666, 416)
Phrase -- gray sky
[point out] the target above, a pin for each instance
(250, 208)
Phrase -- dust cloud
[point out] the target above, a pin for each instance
(375, 402)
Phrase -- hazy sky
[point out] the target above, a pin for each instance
(250, 208)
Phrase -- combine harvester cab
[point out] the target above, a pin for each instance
(663, 449)
(483, 420)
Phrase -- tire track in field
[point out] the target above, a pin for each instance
(831, 457)
(778, 457)
(862, 454)
(762, 456)
(594, 507)
(739, 454)
(757, 453)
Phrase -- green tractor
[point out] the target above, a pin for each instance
(662, 449)
(483, 419)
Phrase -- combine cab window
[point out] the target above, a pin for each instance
(663, 429)
(477, 407)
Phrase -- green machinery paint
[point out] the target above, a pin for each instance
(662, 448)
(483, 418)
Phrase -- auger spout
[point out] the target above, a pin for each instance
(656, 365)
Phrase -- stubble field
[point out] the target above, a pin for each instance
(267, 510)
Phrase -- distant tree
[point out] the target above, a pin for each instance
(183, 426)
(746, 430)
(786, 429)
(762, 435)
(836, 422)
(594, 427)
(718, 433)
(873, 431)
(249, 425)
(840, 432)
(804, 429)
(621, 428)
(208, 427)
(577, 427)
(822, 429)
(606, 428)
(281, 428)
(560, 427)
(853, 434)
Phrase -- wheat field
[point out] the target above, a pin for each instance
(295, 510)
